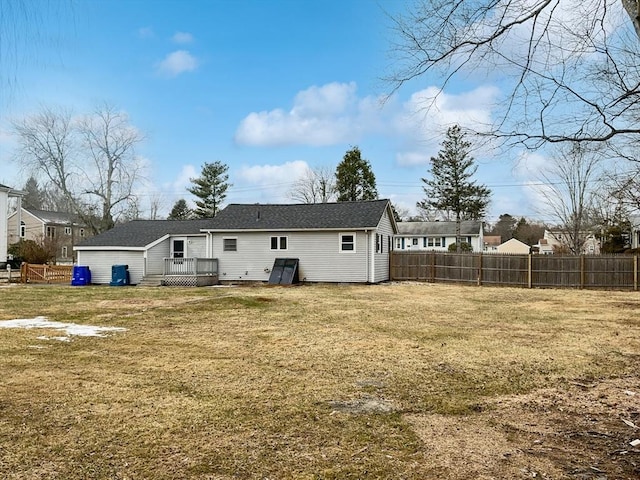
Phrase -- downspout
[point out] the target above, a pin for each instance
(368, 256)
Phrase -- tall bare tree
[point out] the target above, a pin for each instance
(317, 185)
(569, 187)
(569, 68)
(110, 140)
(91, 163)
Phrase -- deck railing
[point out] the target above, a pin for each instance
(190, 266)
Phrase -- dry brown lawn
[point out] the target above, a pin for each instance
(397, 381)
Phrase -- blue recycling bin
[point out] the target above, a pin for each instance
(119, 275)
(81, 275)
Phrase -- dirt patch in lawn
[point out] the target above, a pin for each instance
(582, 431)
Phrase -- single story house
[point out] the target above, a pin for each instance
(491, 242)
(514, 246)
(61, 229)
(437, 236)
(142, 245)
(5, 194)
(333, 242)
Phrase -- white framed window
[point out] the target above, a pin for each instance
(434, 242)
(64, 252)
(23, 229)
(414, 241)
(230, 244)
(348, 242)
(279, 243)
(51, 232)
(82, 232)
(67, 230)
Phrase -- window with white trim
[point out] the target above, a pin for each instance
(348, 242)
(67, 230)
(82, 232)
(23, 229)
(230, 244)
(64, 252)
(279, 243)
(51, 232)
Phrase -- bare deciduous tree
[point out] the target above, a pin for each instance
(91, 163)
(570, 183)
(569, 69)
(318, 185)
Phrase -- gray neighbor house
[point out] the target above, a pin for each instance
(333, 242)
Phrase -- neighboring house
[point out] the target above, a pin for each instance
(635, 231)
(514, 246)
(555, 240)
(491, 243)
(5, 231)
(333, 242)
(60, 229)
(420, 236)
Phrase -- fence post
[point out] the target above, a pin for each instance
(530, 271)
(582, 272)
(480, 269)
(23, 272)
(635, 273)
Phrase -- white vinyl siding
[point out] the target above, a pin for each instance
(318, 252)
(100, 263)
(381, 259)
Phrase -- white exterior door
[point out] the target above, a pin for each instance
(179, 247)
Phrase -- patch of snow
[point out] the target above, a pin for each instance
(68, 328)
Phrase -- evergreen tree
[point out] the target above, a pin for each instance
(211, 189)
(504, 227)
(180, 211)
(355, 180)
(529, 233)
(34, 198)
(450, 188)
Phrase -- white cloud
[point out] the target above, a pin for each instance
(183, 179)
(176, 63)
(182, 38)
(324, 115)
(266, 183)
(146, 32)
(425, 117)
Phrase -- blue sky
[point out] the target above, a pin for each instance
(266, 87)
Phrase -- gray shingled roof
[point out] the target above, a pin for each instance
(140, 233)
(467, 227)
(319, 216)
(53, 217)
(238, 217)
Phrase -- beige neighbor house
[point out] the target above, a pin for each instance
(437, 236)
(5, 194)
(491, 243)
(60, 229)
(513, 246)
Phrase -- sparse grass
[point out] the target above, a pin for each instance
(227, 383)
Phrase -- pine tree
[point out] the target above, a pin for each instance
(210, 187)
(34, 198)
(355, 180)
(180, 211)
(450, 188)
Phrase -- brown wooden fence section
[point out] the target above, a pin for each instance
(31, 273)
(529, 271)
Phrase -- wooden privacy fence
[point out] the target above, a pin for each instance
(31, 273)
(529, 271)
